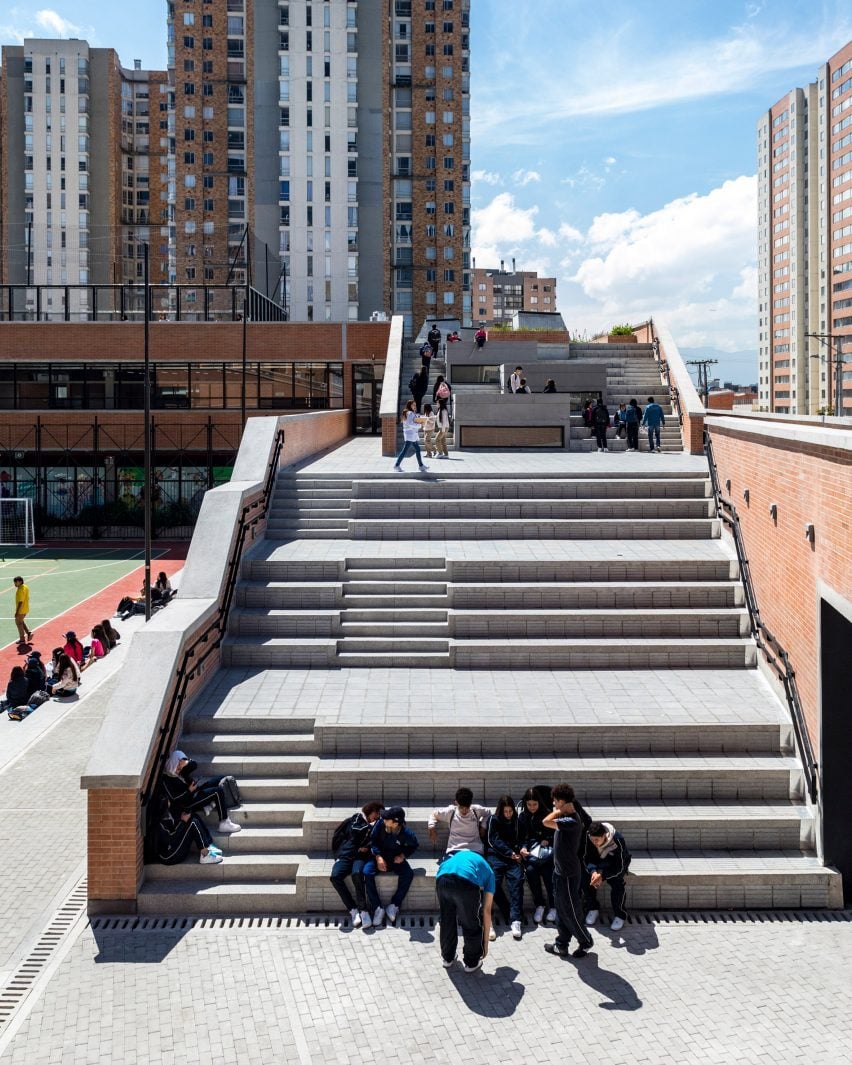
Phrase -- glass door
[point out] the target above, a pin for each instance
(367, 392)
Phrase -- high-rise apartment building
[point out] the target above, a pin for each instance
(82, 168)
(499, 293)
(805, 244)
(339, 134)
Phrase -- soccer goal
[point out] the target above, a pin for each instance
(16, 522)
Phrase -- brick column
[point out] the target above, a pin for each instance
(114, 834)
(389, 448)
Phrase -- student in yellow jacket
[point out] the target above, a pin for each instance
(22, 608)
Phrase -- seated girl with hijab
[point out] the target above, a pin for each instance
(187, 795)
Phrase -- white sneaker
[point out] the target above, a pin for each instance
(449, 964)
(356, 918)
(551, 915)
(229, 826)
(591, 917)
(473, 968)
(208, 809)
(492, 934)
(366, 919)
(516, 929)
(617, 924)
(210, 859)
(397, 469)
(423, 469)
(378, 916)
(393, 913)
(538, 916)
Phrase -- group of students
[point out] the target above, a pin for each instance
(434, 421)
(548, 841)
(161, 594)
(175, 815)
(627, 421)
(31, 685)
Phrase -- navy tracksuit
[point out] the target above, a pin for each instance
(350, 860)
(388, 845)
(613, 868)
(502, 844)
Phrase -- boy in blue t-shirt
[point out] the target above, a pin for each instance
(465, 886)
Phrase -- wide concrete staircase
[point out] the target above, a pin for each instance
(714, 815)
(518, 608)
(370, 583)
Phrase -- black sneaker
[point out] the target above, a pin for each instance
(581, 952)
(554, 948)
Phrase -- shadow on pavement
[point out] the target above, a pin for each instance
(496, 994)
(621, 993)
(126, 948)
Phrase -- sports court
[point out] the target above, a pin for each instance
(71, 587)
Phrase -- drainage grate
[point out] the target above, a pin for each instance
(20, 984)
(414, 921)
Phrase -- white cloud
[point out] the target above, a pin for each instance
(616, 76)
(52, 22)
(610, 161)
(486, 177)
(569, 232)
(692, 262)
(525, 177)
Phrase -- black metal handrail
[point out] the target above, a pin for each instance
(776, 657)
(251, 514)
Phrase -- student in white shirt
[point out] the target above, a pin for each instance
(515, 379)
(463, 819)
(411, 422)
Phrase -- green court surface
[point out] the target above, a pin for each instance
(58, 579)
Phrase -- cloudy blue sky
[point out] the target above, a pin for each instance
(613, 144)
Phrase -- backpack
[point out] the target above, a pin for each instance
(631, 416)
(443, 391)
(341, 835)
(230, 792)
(414, 383)
(600, 416)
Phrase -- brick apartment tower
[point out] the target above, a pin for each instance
(81, 170)
(498, 293)
(348, 149)
(805, 243)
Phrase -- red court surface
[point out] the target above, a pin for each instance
(89, 611)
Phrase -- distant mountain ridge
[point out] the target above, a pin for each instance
(739, 367)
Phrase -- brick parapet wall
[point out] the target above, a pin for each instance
(194, 341)
(811, 484)
(115, 813)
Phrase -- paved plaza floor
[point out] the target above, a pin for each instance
(655, 994)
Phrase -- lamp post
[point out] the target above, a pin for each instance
(147, 498)
(243, 387)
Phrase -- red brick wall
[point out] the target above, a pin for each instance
(114, 849)
(196, 341)
(810, 485)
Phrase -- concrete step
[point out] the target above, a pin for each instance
(232, 744)
(292, 594)
(393, 644)
(394, 616)
(611, 568)
(535, 529)
(246, 764)
(690, 826)
(437, 510)
(284, 534)
(200, 721)
(271, 652)
(622, 595)
(212, 898)
(308, 480)
(394, 562)
(631, 779)
(603, 653)
(705, 623)
(394, 587)
(379, 602)
(419, 576)
(576, 488)
(394, 630)
(392, 660)
(282, 511)
(298, 522)
(252, 621)
(281, 868)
